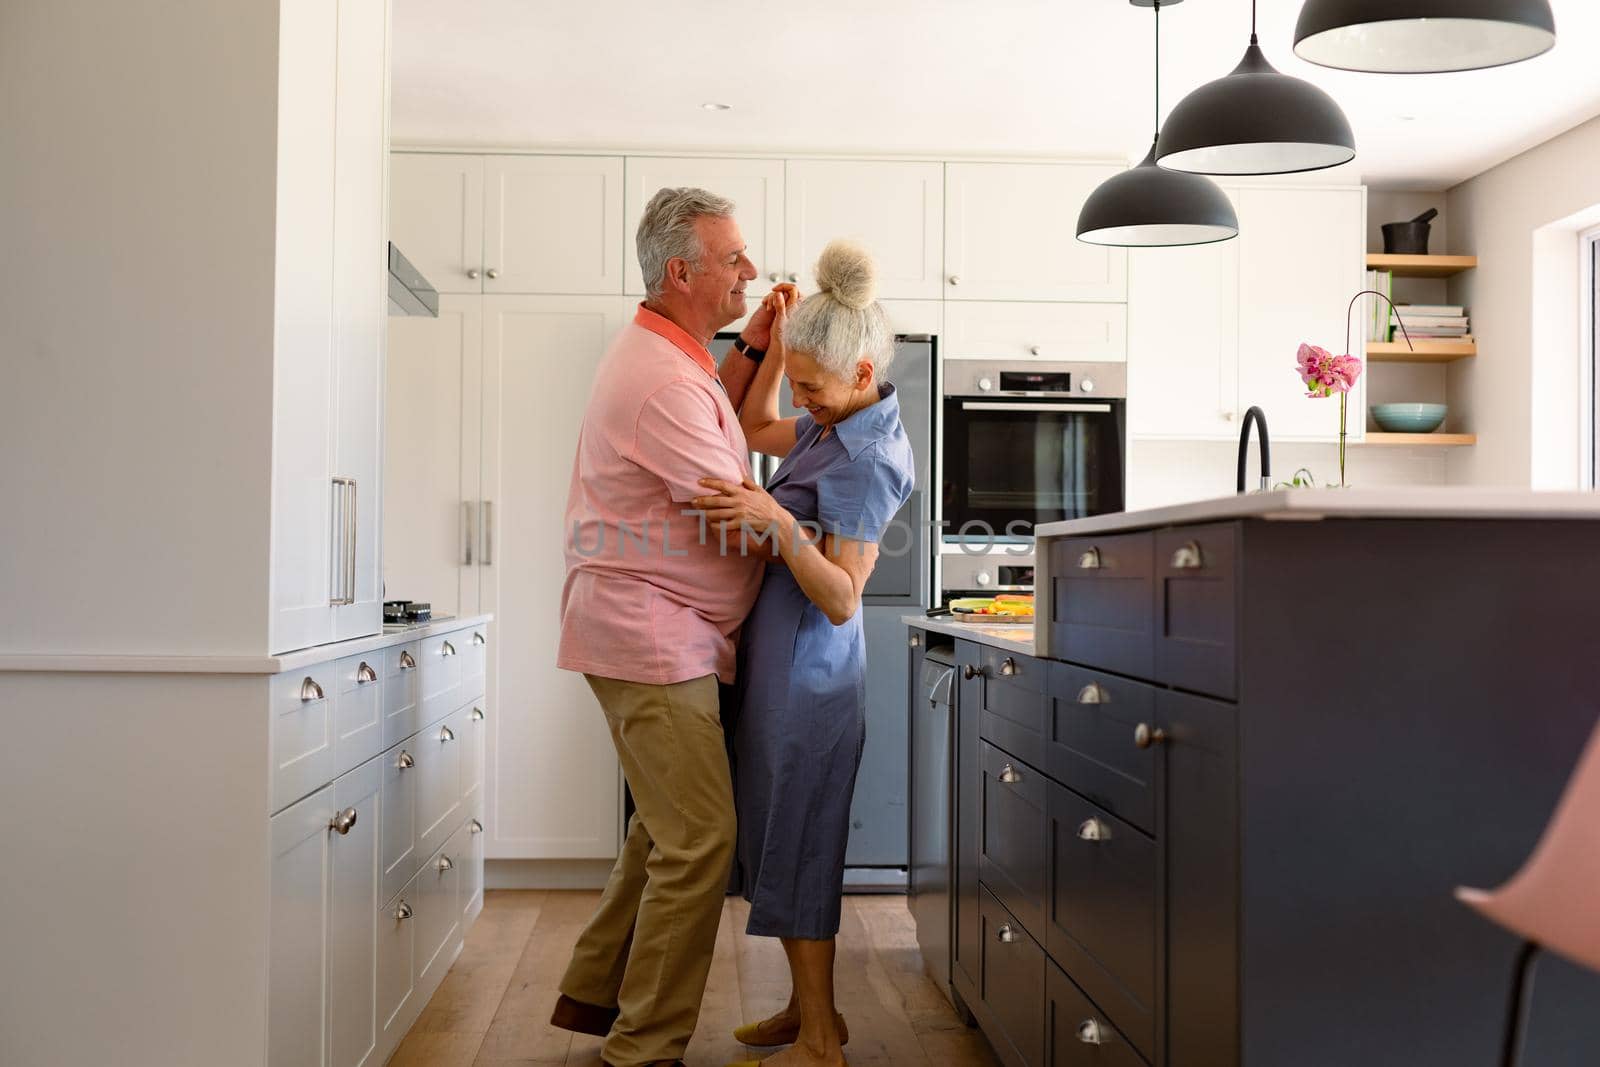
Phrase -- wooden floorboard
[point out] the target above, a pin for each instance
(493, 1008)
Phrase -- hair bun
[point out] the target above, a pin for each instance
(846, 272)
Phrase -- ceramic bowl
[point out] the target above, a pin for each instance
(1409, 418)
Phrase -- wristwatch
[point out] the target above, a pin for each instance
(755, 355)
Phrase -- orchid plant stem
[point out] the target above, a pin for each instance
(1343, 398)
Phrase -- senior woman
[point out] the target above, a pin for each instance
(847, 469)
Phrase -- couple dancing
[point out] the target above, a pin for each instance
(683, 573)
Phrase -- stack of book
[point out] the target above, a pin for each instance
(1431, 321)
(1380, 281)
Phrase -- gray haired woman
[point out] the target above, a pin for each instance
(847, 469)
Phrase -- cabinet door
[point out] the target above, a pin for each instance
(1183, 342)
(1302, 253)
(432, 515)
(297, 973)
(436, 217)
(397, 1002)
(1011, 234)
(439, 912)
(398, 813)
(1096, 333)
(553, 224)
(472, 869)
(552, 771)
(360, 294)
(754, 185)
(438, 758)
(353, 917)
(895, 209)
(967, 958)
(303, 376)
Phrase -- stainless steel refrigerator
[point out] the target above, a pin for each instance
(901, 584)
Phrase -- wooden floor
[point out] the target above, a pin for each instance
(492, 1009)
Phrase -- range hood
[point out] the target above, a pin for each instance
(409, 291)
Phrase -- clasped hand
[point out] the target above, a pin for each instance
(742, 505)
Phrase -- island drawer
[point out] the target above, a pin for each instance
(1103, 910)
(1011, 834)
(1012, 981)
(1093, 748)
(1011, 703)
(1078, 1034)
(1101, 595)
(402, 711)
(1196, 635)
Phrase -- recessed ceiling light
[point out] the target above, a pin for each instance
(712, 105)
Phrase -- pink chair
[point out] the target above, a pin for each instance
(1553, 902)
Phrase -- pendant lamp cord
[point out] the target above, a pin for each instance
(1158, 68)
(1253, 39)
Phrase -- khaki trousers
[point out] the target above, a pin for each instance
(648, 948)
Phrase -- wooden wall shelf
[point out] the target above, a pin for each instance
(1424, 440)
(1421, 266)
(1427, 351)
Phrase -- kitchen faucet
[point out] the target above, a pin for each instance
(1256, 416)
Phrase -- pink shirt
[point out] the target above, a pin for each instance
(645, 600)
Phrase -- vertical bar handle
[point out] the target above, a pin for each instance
(488, 532)
(466, 533)
(350, 542)
(342, 564)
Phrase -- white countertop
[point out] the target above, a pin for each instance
(1310, 505)
(997, 635)
(287, 661)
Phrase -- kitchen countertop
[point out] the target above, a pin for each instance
(1310, 505)
(287, 661)
(1017, 639)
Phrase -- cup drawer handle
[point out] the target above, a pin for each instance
(309, 691)
(1094, 830)
(1090, 1032)
(1089, 560)
(1188, 558)
(1005, 935)
(1009, 775)
(1094, 693)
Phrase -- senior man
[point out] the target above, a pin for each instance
(650, 613)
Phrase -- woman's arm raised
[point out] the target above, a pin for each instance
(764, 430)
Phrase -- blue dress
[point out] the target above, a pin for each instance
(801, 724)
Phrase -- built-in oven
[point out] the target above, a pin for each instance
(1026, 443)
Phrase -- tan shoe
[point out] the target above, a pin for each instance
(751, 1035)
(582, 1018)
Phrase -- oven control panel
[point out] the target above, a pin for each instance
(987, 377)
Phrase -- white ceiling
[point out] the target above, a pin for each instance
(938, 77)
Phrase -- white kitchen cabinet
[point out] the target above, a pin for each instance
(433, 511)
(439, 911)
(1058, 332)
(552, 771)
(895, 209)
(1302, 257)
(402, 714)
(297, 993)
(399, 1001)
(354, 894)
(330, 303)
(436, 217)
(1214, 329)
(438, 755)
(398, 814)
(754, 185)
(472, 873)
(358, 712)
(552, 224)
(1011, 234)
(1183, 342)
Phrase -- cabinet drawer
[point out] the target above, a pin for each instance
(439, 911)
(1012, 835)
(1101, 602)
(440, 681)
(398, 1002)
(438, 756)
(397, 818)
(1013, 984)
(1094, 719)
(1072, 333)
(1077, 1034)
(474, 738)
(358, 712)
(474, 647)
(1196, 643)
(472, 868)
(401, 711)
(303, 758)
(1011, 703)
(1103, 910)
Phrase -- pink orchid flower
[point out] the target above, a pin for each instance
(1324, 373)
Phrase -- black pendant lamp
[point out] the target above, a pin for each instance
(1423, 36)
(1255, 121)
(1148, 207)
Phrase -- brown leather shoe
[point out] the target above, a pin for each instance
(582, 1018)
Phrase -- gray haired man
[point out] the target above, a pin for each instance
(653, 629)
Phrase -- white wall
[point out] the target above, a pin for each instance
(1522, 393)
(1174, 472)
